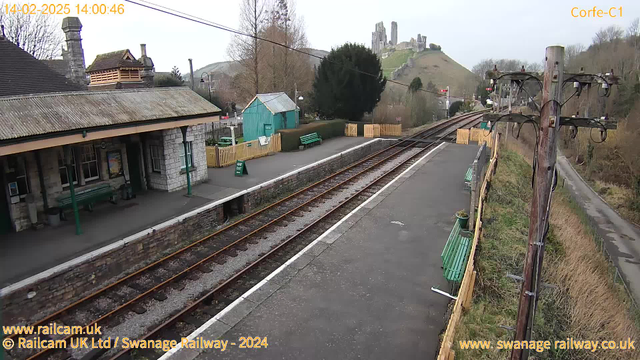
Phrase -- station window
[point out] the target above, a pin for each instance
(157, 157)
(17, 177)
(64, 175)
(89, 163)
(189, 155)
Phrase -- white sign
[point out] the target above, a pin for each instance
(263, 140)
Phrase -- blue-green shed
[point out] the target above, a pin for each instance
(268, 113)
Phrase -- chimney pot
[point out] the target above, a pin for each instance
(143, 49)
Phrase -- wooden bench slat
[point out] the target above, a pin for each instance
(455, 254)
(310, 138)
(87, 196)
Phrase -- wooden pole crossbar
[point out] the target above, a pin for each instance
(597, 123)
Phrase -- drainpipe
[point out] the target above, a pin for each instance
(43, 188)
(68, 159)
(186, 159)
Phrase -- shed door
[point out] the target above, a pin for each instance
(268, 130)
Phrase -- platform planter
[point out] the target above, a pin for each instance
(462, 218)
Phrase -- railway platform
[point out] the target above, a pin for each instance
(363, 288)
(30, 252)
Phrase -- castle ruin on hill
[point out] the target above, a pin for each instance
(380, 45)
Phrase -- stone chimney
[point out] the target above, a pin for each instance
(148, 72)
(71, 27)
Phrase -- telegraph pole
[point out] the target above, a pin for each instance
(541, 200)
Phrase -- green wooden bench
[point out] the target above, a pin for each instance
(88, 197)
(455, 254)
(467, 177)
(310, 139)
(225, 141)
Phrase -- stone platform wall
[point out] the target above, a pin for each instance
(61, 287)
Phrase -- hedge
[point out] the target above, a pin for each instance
(326, 129)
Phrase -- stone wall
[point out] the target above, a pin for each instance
(155, 179)
(77, 281)
(172, 142)
(51, 175)
(282, 187)
(97, 270)
(171, 177)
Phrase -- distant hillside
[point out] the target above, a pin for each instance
(231, 68)
(434, 66)
(313, 60)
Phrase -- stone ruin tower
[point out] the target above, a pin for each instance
(394, 33)
(379, 38)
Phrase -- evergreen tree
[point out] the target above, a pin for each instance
(343, 86)
(175, 73)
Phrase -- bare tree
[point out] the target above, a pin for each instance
(482, 67)
(571, 52)
(245, 50)
(38, 34)
(634, 28)
(633, 37)
(533, 67)
(612, 33)
(288, 67)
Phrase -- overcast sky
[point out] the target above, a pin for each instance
(466, 30)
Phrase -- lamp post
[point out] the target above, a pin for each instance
(208, 82)
(296, 98)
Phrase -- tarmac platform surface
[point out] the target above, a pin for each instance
(362, 289)
(30, 252)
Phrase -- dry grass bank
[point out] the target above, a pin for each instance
(586, 303)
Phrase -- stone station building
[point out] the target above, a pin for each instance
(96, 138)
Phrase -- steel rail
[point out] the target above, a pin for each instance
(203, 298)
(429, 131)
(184, 272)
(249, 216)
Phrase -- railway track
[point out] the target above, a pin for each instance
(180, 271)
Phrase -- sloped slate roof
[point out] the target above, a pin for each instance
(23, 116)
(21, 73)
(275, 102)
(60, 66)
(113, 60)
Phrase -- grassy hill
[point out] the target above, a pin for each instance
(395, 60)
(434, 66)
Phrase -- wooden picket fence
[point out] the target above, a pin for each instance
(225, 156)
(372, 130)
(465, 293)
(351, 130)
(462, 136)
(390, 130)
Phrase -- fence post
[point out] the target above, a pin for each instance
(474, 187)
(217, 155)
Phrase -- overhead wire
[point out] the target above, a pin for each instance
(189, 17)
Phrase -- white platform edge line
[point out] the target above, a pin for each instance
(121, 243)
(257, 286)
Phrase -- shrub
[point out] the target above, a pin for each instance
(455, 107)
(326, 129)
